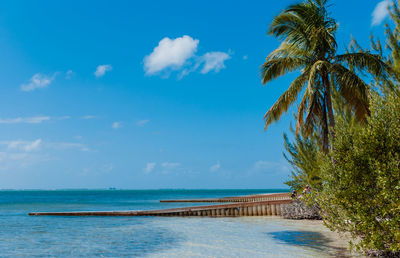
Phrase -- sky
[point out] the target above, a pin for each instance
(147, 94)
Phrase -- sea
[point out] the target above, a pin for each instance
(22, 235)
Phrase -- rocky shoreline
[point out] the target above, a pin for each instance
(298, 209)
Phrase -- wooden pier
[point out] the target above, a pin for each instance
(246, 198)
(254, 205)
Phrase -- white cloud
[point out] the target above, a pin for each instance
(69, 74)
(89, 117)
(33, 145)
(38, 81)
(170, 54)
(185, 72)
(29, 146)
(142, 122)
(25, 120)
(26, 146)
(116, 125)
(67, 145)
(170, 165)
(149, 167)
(63, 117)
(380, 12)
(101, 70)
(214, 61)
(5, 156)
(23, 154)
(215, 167)
(17, 160)
(179, 54)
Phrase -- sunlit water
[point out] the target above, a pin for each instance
(23, 235)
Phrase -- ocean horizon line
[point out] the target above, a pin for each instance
(132, 189)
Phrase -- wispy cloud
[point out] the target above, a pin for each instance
(33, 145)
(142, 122)
(170, 165)
(6, 156)
(29, 146)
(87, 117)
(63, 117)
(11, 160)
(102, 69)
(214, 61)
(17, 154)
(170, 54)
(66, 145)
(149, 167)
(69, 74)
(116, 125)
(38, 81)
(215, 167)
(26, 146)
(380, 12)
(26, 120)
(31, 120)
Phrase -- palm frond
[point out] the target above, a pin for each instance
(353, 89)
(314, 112)
(275, 67)
(365, 62)
(285, 100)
(290, 50)
(301, 110)
(289, 27)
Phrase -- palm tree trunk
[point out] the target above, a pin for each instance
(325, 80)
(324, 126)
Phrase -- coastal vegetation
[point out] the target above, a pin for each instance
(309, 45)
(360, 192)
(302, 155)
(346, 144)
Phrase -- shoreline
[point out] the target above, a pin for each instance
(253, 236)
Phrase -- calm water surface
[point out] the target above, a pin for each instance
(22, 235)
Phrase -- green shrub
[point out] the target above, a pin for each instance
(361, 178)
(302, 154)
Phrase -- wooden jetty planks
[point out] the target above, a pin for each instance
(260, 208)
(246, 198)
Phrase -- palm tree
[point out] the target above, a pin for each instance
(309, 46)
(302, 153)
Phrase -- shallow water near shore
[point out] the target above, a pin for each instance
(22, 235)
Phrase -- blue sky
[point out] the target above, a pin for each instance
(144, 95)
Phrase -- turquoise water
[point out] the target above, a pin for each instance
(23, 235)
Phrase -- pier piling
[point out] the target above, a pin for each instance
(260, 205)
